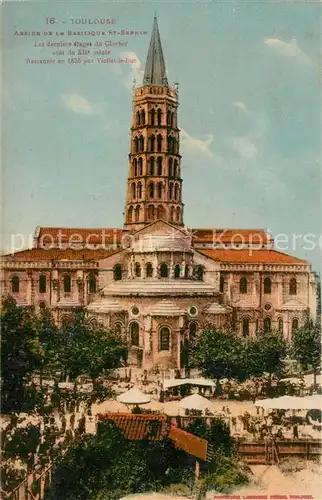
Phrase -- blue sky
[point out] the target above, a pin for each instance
(249, 81)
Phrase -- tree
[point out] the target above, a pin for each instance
(21, 353)
(270, 349)
(218, 354)
(306, 346)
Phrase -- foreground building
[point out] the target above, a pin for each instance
(156, 280)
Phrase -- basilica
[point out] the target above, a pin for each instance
(156, 280)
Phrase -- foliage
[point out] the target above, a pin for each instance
(21, 353)
(306, 345)
(227, 472)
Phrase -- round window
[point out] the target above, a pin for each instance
(193, 311)
(267, 307)
(135, 310)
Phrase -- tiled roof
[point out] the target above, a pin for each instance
(166, 308)
(139, 426)
(230, 236)
(90, 235)
(35, 254)
(249, 256)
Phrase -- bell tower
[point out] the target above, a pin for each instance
(154, 184)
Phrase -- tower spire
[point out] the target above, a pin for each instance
(155, 72)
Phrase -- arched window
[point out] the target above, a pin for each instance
(295, 324)
(164, 270)
(293, 286)
(151, 165)
(171, 190)
(139, 190)
(142, 117)
(118, 327)
(92, 284)
(130, 214)
(170, 167)
(267, 285)
(172, 119)
(159, 143)
(172, 214)
(175, 168)
(267, 324)
(117, 271)
(243, 285)
(140, 166)
(141, 143)
(164, 344)
(151, 190)
(222, 284)
(160, 212)
(67, 283)
(150, 212)
(136, 145)
(152, 116)
(159, 190)
(176, 191)
(138, 118)
(135, 333)
(135, 167)
(159, 115)
(192, 329)
(137, 213)
(149, 270)
(159, 162)
(42, 284)
(186, 271)
(137, 270)
(178, 214)
(177, 271)
(168, 118)
(280, 325)
(170, 144)
(15, 284)
(152, 143)
(200, 273)
(133, 189)
(245, 327)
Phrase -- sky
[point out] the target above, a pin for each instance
(249, 75)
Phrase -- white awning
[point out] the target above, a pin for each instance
(195, 402)
(176, 382)
(291, 403)
(133, 397)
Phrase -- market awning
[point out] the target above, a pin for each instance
(195, 402)
(133, 397)
(291, 403)
(177, 382)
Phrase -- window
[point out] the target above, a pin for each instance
(168, 118)
(159, 162)
(243, 285)
(135, 167)
(164, 270)
(151, 190)
(152, 116)
(159, 115)
(130, 214)
(177, 271)
(150, 212)
(222, 284)
(151, 165)
(137, 270)
(42, 305)
(175, 168)
(136, 145)
(42, 284)
(159, 190)
(267, 285)
(160, 212)
(199, 273)
(135, 333)
(141, 143)
(149, 270)
(178, 214)
(117, 271)
(139, 190)
(164, 339)
(193, 311)
(142, 117)
(15, 284)
(295, 324)
(293, 286)
(172, 214)
(152, 143)
(133, 189)
(159, 143)
(192, 329)
(170, 167)
(186, 271)
(138, 118)
(67, 283)
(176, 192)
(170, 144)
(280, 325)
(135, 310)
(267, 324)
(137, 213)
(92, 284)
(171, 190)
(118, 327)
(245, 327)
(140, 166)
